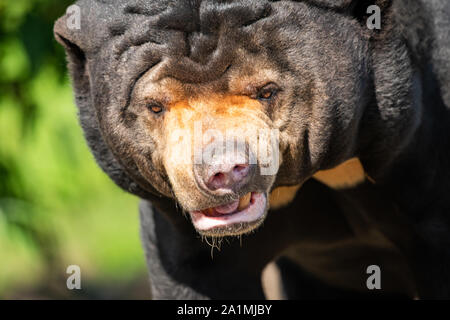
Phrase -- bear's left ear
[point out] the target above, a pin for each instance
(350, 4)
(363, 10)
(360, 9)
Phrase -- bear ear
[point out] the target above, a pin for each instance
(70, 38)
(349, 4)
(80, 40)
(67, 33)
(332, 4)
(356, 8)
(362, 9)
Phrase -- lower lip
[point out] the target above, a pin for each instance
(252, 213)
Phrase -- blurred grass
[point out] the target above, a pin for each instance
(56, 206)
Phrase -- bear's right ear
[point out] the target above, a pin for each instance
(81, 36)
(67, 33)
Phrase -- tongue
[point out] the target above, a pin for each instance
(227, 208)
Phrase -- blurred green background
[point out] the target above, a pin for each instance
(57, 208)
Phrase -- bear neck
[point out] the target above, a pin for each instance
(418, 177)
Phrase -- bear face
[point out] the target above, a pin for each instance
(165, 86)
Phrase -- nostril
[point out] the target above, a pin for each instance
(219, 176)
(218, 180)
(240, 171)
(227, 177)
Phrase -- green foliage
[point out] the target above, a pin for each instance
(56, 206)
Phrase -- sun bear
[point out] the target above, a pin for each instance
(287, 134)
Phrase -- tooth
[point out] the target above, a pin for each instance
(244, 201)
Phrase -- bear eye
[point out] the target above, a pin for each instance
(155, 107)
(267, 92)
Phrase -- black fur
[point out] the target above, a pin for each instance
(384, 97)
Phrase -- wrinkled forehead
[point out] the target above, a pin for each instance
(211, 47)
(182, 47)
(195, 35)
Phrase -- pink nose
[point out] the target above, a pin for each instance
(226, 176)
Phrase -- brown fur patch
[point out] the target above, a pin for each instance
(226, 109)
(346, 175)
(190, 124)
(282, 196)
(272, 283)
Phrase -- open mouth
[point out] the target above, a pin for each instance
(248, 211)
